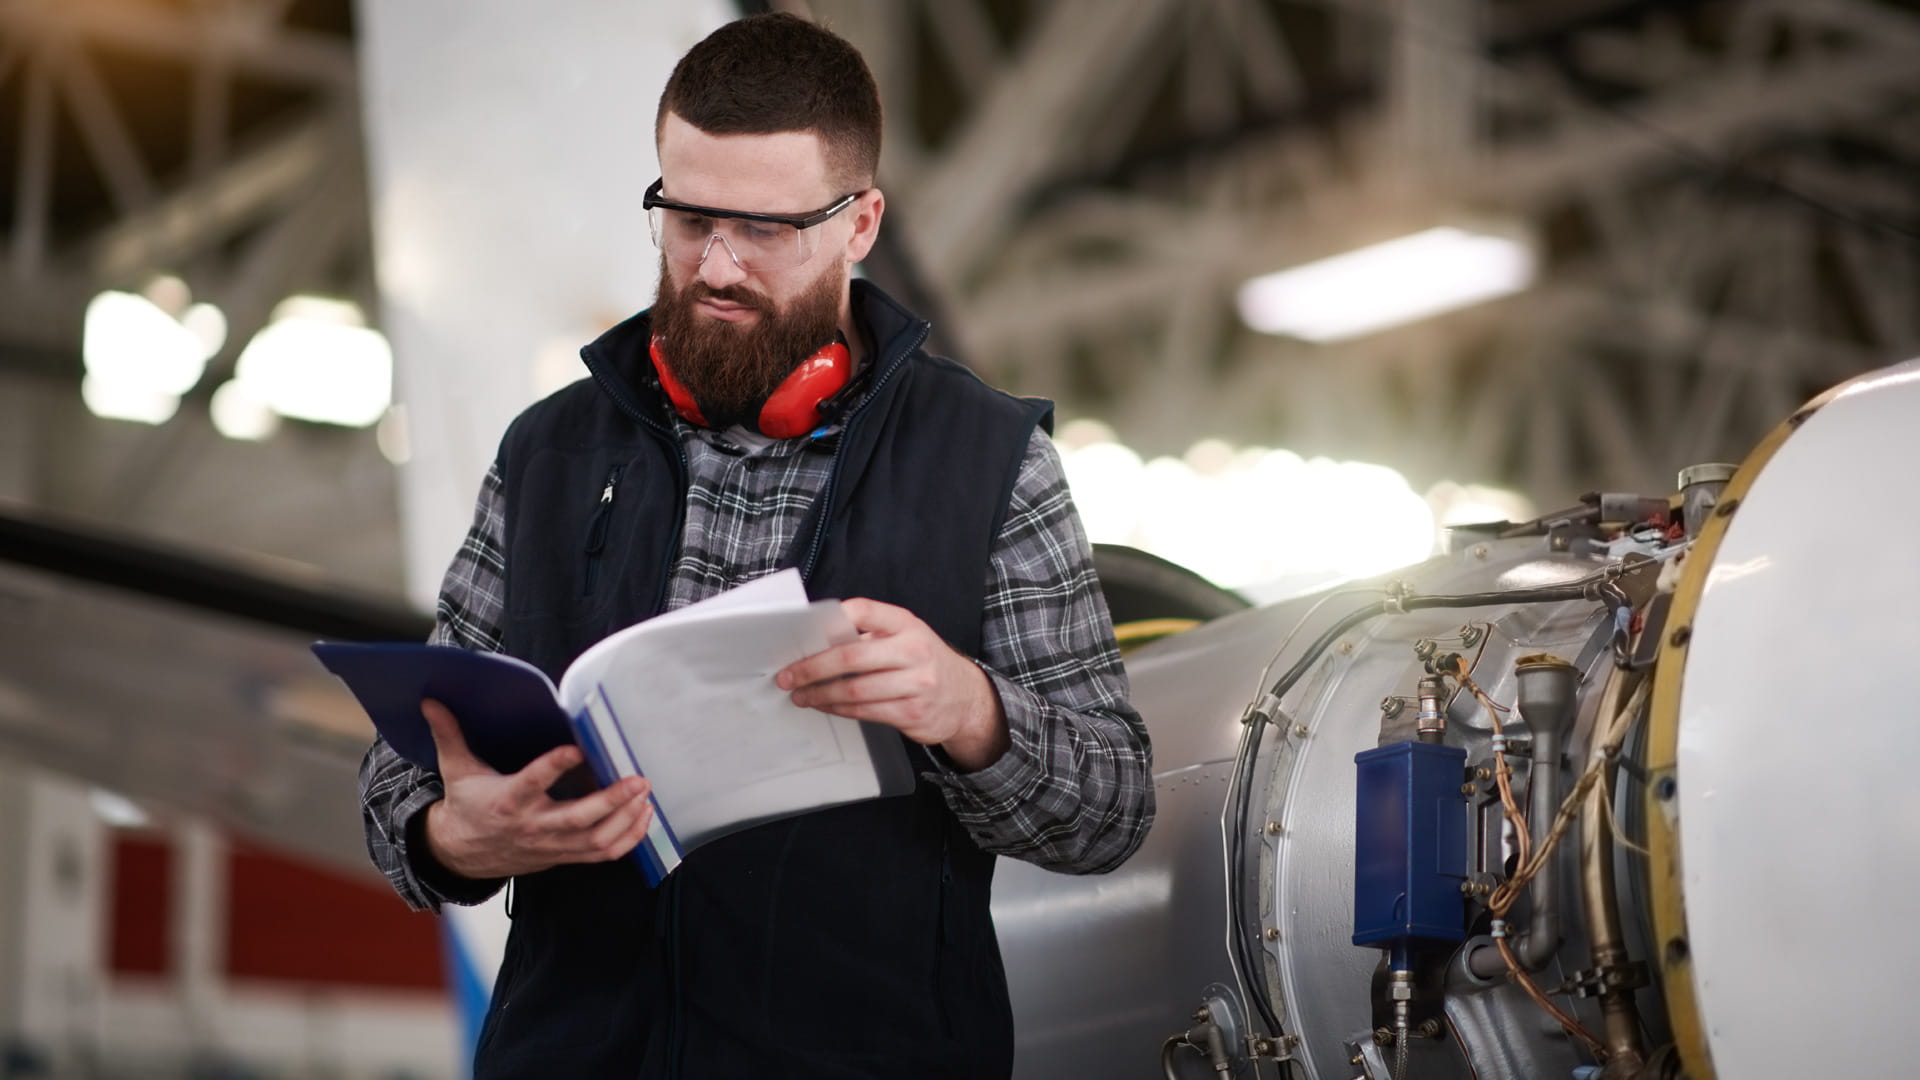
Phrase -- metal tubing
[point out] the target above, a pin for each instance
(1622, 1020)
(1548, 687)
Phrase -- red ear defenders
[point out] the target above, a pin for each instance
(792, 409)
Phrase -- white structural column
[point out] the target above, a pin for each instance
(52, 919)
(509, 144)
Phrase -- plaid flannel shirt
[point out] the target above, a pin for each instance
(1073, 793)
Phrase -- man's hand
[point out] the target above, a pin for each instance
(901, 674)
(493, 825)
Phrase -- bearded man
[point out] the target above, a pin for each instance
(768, 412)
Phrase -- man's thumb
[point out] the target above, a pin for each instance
(450, 746)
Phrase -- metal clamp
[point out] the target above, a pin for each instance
(1264, 708)
(1398, 593)
(1592, 982)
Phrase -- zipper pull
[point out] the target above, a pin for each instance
(597, 528)
(597, 533)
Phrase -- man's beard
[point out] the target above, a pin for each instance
(732, 368)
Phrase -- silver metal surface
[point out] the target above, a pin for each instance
(1103, 968)
(199, 712)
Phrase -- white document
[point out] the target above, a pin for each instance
(688, 700)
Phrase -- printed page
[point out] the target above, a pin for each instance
(699, 714)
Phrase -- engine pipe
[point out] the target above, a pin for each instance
(1548, 693)
(1611, 962)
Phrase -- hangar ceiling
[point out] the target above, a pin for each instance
(1722, 193)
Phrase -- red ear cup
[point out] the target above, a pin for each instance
(682, 401)
(794, 408)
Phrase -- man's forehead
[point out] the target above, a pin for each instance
(781, 173)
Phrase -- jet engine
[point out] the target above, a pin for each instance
(1619, 792)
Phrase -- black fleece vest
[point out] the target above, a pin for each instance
(852, 942)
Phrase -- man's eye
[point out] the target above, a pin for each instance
(693, 223)
(760, 232)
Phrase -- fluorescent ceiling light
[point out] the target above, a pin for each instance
(140, 359)
(238, 414)
(315, 362)
(1400, 281)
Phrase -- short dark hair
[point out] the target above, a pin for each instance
(773, 73)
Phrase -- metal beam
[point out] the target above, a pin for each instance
(33, 184)
(207, 211)
(104, 131)
(1699, 122)
(238, 37)
(1177, 244)
(1013, 138)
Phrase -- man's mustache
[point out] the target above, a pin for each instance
(732, 294)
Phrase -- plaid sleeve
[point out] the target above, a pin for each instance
(394, 794)
(1074, 792)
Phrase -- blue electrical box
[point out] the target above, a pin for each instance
(1410, 845)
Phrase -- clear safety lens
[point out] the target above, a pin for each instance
(753, 245)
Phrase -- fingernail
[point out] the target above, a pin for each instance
(783, 680)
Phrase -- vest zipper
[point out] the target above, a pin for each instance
(597, 531)
(846, 437)
(616, 392)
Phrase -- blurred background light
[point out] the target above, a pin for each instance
(1387, 284)
(1474, 504)
(1255, 518)
(116, 810)
(140, 357)
(317, 360)
(395, 436)
(238, 414)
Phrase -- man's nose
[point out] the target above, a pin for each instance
(719, 266)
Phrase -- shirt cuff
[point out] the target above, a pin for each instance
(1018, 772)
(439, 884)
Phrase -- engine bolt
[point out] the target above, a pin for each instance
(1273, 828)
(1272, 933)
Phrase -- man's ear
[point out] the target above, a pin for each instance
(867, 211)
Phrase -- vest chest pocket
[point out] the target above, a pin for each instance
(597, 533)
(571, 536)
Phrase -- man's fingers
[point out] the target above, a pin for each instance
(877, 686)
(623, 843)
(532, 781)
(609, 834)
(853, 658)
(587, 812)
(449, 745)
(870, 616)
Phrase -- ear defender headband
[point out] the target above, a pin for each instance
(793, 409)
